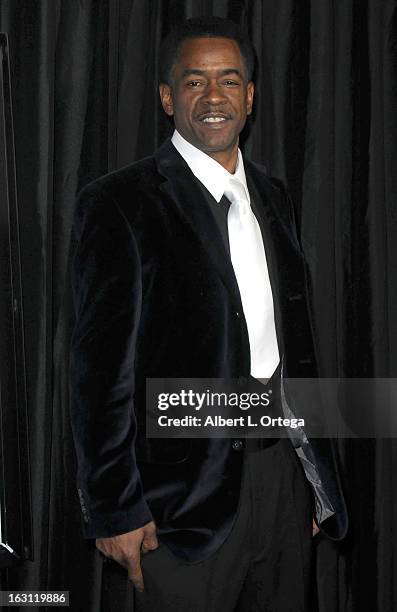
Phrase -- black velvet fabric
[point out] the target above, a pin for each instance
(156, 296)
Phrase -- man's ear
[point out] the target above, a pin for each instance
(250, 97)
(166, 98)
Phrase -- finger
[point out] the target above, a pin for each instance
(315, 528)
(147, 547)
(150, 542)
(135, 573)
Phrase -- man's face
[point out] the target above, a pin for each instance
(209, 97)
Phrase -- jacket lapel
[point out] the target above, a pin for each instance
(183, 191)
(272, 209)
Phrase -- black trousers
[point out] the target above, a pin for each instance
(265, 563)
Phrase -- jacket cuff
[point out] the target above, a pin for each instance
(117, 523)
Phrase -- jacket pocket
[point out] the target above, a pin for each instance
(162, 451)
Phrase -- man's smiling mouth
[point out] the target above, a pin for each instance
(213, 119)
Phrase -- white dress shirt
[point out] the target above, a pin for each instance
(216, 180)
(209, 172)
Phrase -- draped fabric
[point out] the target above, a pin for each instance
(85, 102)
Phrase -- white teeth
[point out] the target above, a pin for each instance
(214, 119)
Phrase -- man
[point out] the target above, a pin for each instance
(188, 265)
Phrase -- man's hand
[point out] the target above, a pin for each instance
(316, 528)
(126, 549)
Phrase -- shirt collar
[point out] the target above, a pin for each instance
(209, 172)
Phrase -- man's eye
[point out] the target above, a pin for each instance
(230, 83)
(193, 83)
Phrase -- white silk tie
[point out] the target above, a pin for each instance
(250, 266)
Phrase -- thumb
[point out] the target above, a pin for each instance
(315, 528)
(150, 541)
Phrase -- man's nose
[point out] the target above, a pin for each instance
(214, 94)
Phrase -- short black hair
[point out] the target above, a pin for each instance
(203, 27)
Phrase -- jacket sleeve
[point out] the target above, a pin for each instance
(107, 294)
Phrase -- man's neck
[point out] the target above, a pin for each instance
(212, 174)
(227, 159)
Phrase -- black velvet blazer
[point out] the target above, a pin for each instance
(155, 295)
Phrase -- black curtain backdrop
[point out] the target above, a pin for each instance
(85, 102)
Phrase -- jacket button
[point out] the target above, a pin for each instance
(237, 314)
(237, 445)
(294, 298)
